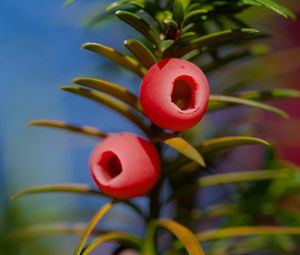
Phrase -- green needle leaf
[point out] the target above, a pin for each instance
(217, 102)
(178, 12)
(246, 231)
(194, 13)
(185, 148)
(226, 142)
(138, 5)
(125, 239)
(272, 5)
(67, 3)
(244, 176)
(71, 188)
(117, 57)
(257, 95)
(236, 177)
(89, 229)
(121, 3)
(109, 102)
(50, 229)
(86, 130)
(165, 44)
(215, 144)
(185, 236)
(112, 89)
(141, 52)
(140, 25)
(212, 40)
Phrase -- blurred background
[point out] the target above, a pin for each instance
(40, 50)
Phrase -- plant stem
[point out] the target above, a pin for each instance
(149, 245)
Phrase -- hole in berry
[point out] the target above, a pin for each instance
(110, 165)
(183, 94)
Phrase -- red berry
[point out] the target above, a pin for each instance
(174, 94)
(124, 165)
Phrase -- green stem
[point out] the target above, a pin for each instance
(149, 246)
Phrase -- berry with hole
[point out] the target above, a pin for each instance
(174, 94)
(124, 165)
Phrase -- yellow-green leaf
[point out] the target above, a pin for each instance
(226, 142)
(86, 130)
(257, 95)
(117, 57)
(125, 239)
(93, 222)
(118, 4)
(272, 5)
(109, 102)
(141, 52)
(244, 176)
(110, 88)
(217, 102)
(216, 39)
(185, 148)
(40, 230)
(137, 5)
(235, 177)
(72, 188)
(215, 144)
(246, 231)
(194, 13)
(140, 25)
(185, 236)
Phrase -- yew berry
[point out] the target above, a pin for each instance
(174, 94)
(125, 165)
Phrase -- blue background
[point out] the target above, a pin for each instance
(40, 50)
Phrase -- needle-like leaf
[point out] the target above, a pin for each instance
(67, 3)
(141, 52)
(39, 230)
(212, 40)
(140, 25)
(217, 102)
(272, 5)
(121, 3)
(244, 176)
(125, 239)
(185, 148)
(109, 102)
(236, 177)
(246, 231)
(110, 88)
(257, 95)
(185, 236)
(70, 188)
(216, 144)
(117, 57)
(86, 130)
(226, 142)
(93, 222)
(178, 12)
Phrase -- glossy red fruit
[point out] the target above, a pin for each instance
(174, 94)
(125, 165)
